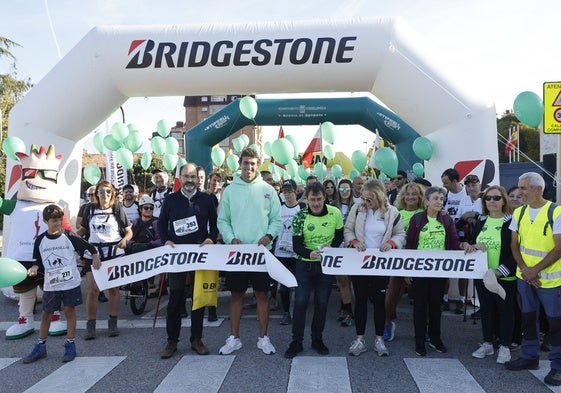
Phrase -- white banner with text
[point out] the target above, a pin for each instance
(404, 263)
(188, 257)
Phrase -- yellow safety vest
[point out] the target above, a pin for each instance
(536, 241)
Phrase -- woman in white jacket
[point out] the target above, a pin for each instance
(373, 223)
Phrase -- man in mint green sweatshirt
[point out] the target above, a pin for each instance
(250, 213)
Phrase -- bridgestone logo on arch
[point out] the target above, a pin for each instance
(277, 51)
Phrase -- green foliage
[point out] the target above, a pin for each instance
(529, 138)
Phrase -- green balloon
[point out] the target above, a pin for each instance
(358, 159)
(328, 132)
(111, 143)
(528, 108)
(329, 152)
(422, 147)
(181, 161)
(255, 148)
(418, 169)
(172, 146)
(158, 145)
(92, 174)
(11, 272)
(245, 140)
(133, 141)
(354, 173)
(386, 160)
(146, 160)
(217, 155)
(320, 170)
(11, 146)
(163, 129)
(292, 168)
(382, 177)
(237, 143)
(303, 172)
(170, 161)
(232, 162)
(98, 142)
(132, 127)
(292, 139)
(119, 132)
(267, 148)
(282, 151)
(337, 171)
(124, 157)
(248, 107)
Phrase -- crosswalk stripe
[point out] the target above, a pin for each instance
(5, 362)
(322, 374)
(195, 374)
(545, 366)
(434, 376)
(77, 376)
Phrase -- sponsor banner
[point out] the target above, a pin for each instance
(404, 263)
(187, 257)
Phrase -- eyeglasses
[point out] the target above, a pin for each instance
(368, 200)
(344, 189)
(47, 174)
(147, 207)
(496, 198)
(329, 187)
(102, 191)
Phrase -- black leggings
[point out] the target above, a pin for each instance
(373, 288)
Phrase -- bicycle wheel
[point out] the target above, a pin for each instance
(139, 297)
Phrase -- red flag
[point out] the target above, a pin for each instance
(512, 141)
(313, 147)
(177, 179)
(281, 133)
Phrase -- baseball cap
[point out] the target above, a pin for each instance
(422, 181)
(145, 200)
(471, 179)
(289, 185)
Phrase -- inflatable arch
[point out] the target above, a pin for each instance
(382, 56)
(304, 111)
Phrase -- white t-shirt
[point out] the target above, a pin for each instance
(453, 202)
(469, 205)
(283, 245)
(374, 229)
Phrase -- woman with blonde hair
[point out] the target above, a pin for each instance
(373, 223)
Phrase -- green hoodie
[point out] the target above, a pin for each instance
(249, 211)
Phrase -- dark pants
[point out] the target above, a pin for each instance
(495, 310)
(176, 302)
(284, 291)
(374, 288)
(427, 294)
(310, 277)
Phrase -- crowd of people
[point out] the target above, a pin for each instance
(518, 229)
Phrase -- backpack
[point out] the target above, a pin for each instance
(550, 212)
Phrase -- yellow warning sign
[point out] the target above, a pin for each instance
(552, 107)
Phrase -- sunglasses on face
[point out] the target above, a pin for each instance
(103, 192)
(147, 207)
(128, 191)
(344, 189)
(368, 200)
(47, 174)
(496, 198)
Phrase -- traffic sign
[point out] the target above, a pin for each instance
(552, 107)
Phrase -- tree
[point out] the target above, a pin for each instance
(529, 138)
(12, 89)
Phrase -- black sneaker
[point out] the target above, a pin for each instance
(523, 364)
(438, 347)
(553, 378)
(420, 350)
(294, 349)
(460, 308)
(320, 347)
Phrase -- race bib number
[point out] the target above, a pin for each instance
(185, 226)
(59, 276)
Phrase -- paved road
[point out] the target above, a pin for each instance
(130, 362)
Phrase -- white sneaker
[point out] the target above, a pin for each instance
(485, 349)
(232, 344)
(358, 346)
(264, 344)
(504, 355)
(380, 347)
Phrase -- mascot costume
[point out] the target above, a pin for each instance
(37, 189)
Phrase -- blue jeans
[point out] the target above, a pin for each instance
(550, 298)
(309, 276)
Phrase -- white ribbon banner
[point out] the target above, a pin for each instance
(188, 257)
(404, 263)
